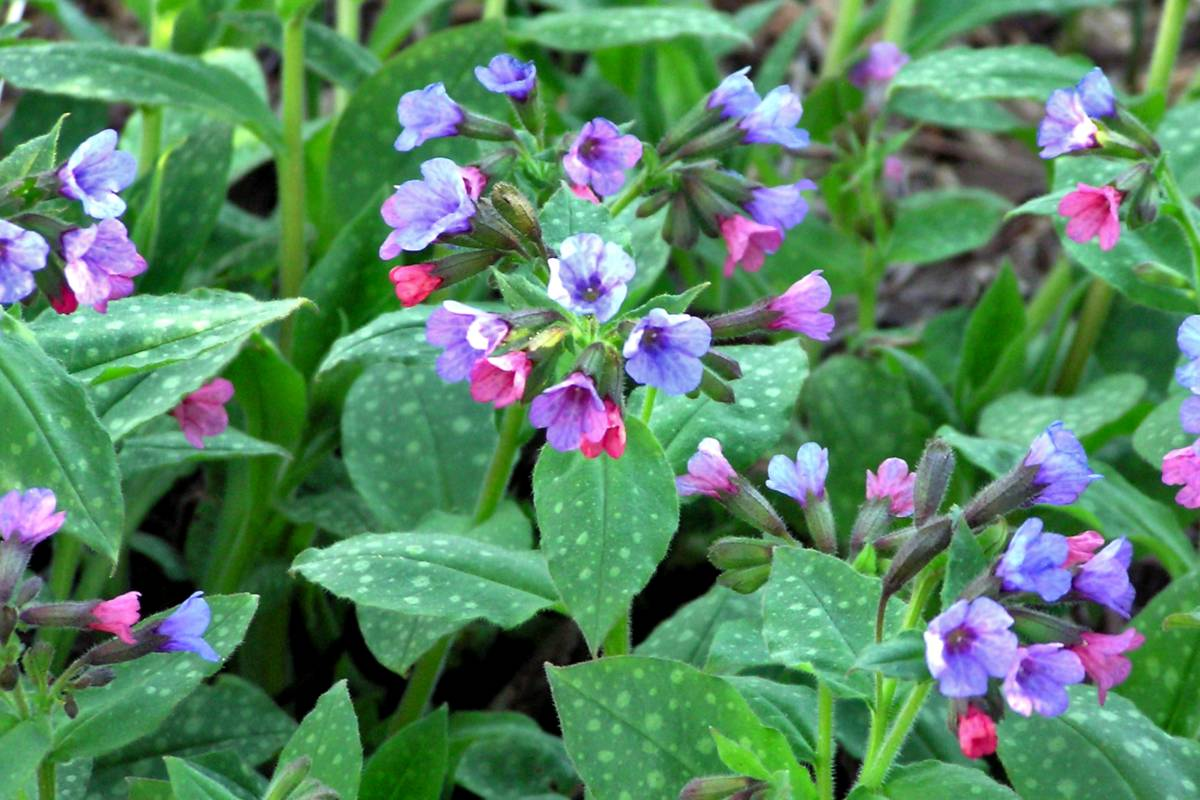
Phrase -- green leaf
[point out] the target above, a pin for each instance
(1019, 417)
(766, 395)
(145, 691)
(671, 303)
(412, 764)
(449, 577)
(934, 109)
(1161, 432)
(901, 656)
(935, 225)
(965, 561)
(35, 155)
(414, 443)
(789, 708)
(157, 451)
(145, 332)
(326, 52)
(192, 783)
(122, 74)
(511, 758)
(397, 639)
(394, 22)
(585, 31)
(565, 215)
(395, 336)
(328, 736)
(688, 634)
(940, 20)
(24, 746)
(1175, 135)
(521, 292)
(996, 328)
(992, 73)
(1166, 669)
(1182, 620)
(738, 646)
(935, 780)
(606, 524)
(650, 251)
(55, 441)
(1113, 752)
(819, 614)
(639, 727)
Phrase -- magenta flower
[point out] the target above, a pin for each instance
(570, 411)
(708, 473)
(1103, 657)
(894, 170)
(774, 120)
(600, 155)
(803, 480)
(799, 308)
(94, 174)
(202, 413)
(426, 114)
(22, 253)
(1105, 578)
(664, 351)
(967, 643)
(420, 211)
(747, 243)
(1068, 125)
(29, 517)
(735, 96)
(590, 276)
(584, 193)
(1063, 471)
(475, 180)
(613, 441)
(1082, 547)
(414, 283)
(883, 61)
(465, 335)
(782, 207)
(976, 733)
(500, 380)
(893, 483)
(183, 631)
(101, 263)
(1182, 468)
(507, 75)
(116, 616)
(1038, 679)
(1093, 212)
(1034, 561)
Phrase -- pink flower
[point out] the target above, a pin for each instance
(475, 180)
(414, 283)
(708, 472)
(1093, 212)
(1182, 468)
(799, 308)
(65, 301)
(117, 615)
(584, 192)
(747, 243)
(29, 517)
(613, 441)
(1081, 548)
(202, 413)
(500, 380)
(894, 169)
(895, 483)
(976, 733)
(1102, 657)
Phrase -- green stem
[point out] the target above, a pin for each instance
(496, 478)
(876, 768)
(898, 19)
(494, 9)
(162, 27)
(630, 194)
(648, 403)
(291, 172)
(1043, 304)
(1087, 330)
(421, 684)
(347, 22)
(45, 779)
(67, 554)
(824, 756)
(1166, 179)
(1166, 46)
(841, 41)
(868, 292)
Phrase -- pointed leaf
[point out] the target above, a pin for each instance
(328, 736)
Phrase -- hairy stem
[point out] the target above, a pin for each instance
(292, 254)
(1166, 46)
(876, 768)
(45, 780)
(1091, 321)
(824, 756)
(421, 683)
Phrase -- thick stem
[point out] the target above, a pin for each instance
(1166, 45)
(876, 768)
(824, 756)
(1091, 321)
(496, 478)
(1048, 297)
(162, 26)
(347, 22)
(630, 194)
(421, 684)
(841, 41)
(45, 779)
(898, 19)
(648, 404)
(494, 9)
(291, 172)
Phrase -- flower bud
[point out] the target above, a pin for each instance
(70, 707)
(922, 547)
(716, 140)
(680, 228)
(739, 552)
(288, 777)
(745, 581)
(728, 368)
(934, 472)
(748, 505)
(490, 230)
(517, 211)
(872, 521)
(29, 590)
(8, 622)
(477, 126)
(732, 187)
(654, 203)
(9, 676)
(95, 678)
(716, 389)
(602, 363)
(717, 787)
(708, 207)
(818, 514)
(697, 120)
(1001, 496)
(36, 660)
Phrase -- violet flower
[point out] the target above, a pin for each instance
(967, 643)
(94, 174)
(1182, 468)
(1033, 562)
(500, 380)
(735, 96)
(708, 472)
(101, 263)
(426, 114)
(422, 210)
(600, 155)
(1103, 657)
(1093, 212)
(781, 207)
(1062, 464)
(22, 253)
(590, 276)
(893, 483)
(510, 76)
(774, 120)
(883, 61)
(1105, 578)
(664, 351)
(799, 308)
(465, 335)
(29, 517)
(1068, 125)
(747, 243)
(570, 411)
(184, 629)
(202, 413)
(1038, 679)
(803, 479)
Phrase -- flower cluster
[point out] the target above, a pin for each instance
(1181, 467)
(90, 264)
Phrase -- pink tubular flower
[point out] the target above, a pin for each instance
(414, 283)
(976, 733)
(116, 616)
(1103, 660)
(708, 472)
(799, 308)
(202, 413)
(1081, 548)
(475, 180)
(1092, 211)
(893, 483)
(1182, 468)
(613, 441)
(584, 192)
(500, 380)
(747, 243)
(65, 301)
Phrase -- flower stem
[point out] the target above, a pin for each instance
(1091, 321)
(45, 780)
(824, 756)
(876, 768)
(1187, 218)
(494, 9)
(347, 21)
(291, 171)
(648, 404)
(898, 19)
(1166, 46)
(841, 41)
(162, 26)
(421, 683)
(630, 194)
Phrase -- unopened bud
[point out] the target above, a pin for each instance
(477, 126)
(872, 521)
(696, 121)
(934, 472)
(467, 264)
(728, 368)
(730, 186)
(739, 552)
(490, 230)
(743, 321)
(745, 581)
(14, 557)
(95, 678)
(70, 707)
(1003, 495)
(717, 787)
(922, 547)
(717, 140)
(37, 659)
(716, 389)
(654, 203)
(9, 677)
(8, 622)
(29, 590)
(819, 516)
(749, 505)
(680, 228)
(517, 211)
(288, 777)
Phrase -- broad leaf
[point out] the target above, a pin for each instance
(1161, 432)
(35, 155)
(688, 634)
(1021, 71)
(412, 764)
(595, 29)
(189, 782)
(24, 745)
(932, 226)
(328, 737)
(156, 451)
(1019, 417)
(936, 780)
(565, 215)
(326, 52)
(939, 20)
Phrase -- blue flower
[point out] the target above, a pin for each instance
(735, 96)
(184, 629)
(1063, 471)
(1068, 125)
(600, 155)
(1034, 561)
(782, 207)
(1105, 578)
(968, 643)
(1096, 94)
(1038, 679)
(426, 114)
(102, 262)
(94, 174)
(590, 276)
(664, 350)
(422, 210)
(571, 411)
(465, 335)
(22, 253)
(774, 120)
(803, 478)
(29, 517)
(507, 75)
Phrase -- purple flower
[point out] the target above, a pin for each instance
(1062, 464)
(1189, 414)
(883, 61)
(1105, 578)
(505, 74)
(426, 114)
(968, 642)
(1038, 679)
(799, 308)
(774, 119)
(1034, 562)
(29, 516)
(101, 263)
(803, 478)
(1188, 339)
(22, 253)
(1096, 94)
(735, 96)
(94, 174)
(184, 629)
(664, 350)
(708, 472)
(465, 335)
(422, 210)
(782, 207)
(1068, 125)
(571, 411)
(590, 276)
(600, 155)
